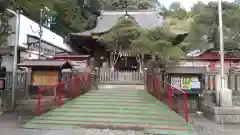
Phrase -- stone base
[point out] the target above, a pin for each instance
(227, 115)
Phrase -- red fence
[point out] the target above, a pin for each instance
(175, 98)
(55, 95)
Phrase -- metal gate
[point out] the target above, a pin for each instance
(106, 76)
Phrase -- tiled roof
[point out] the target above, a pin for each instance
(45, 63)
(145, 19)
(186, 70)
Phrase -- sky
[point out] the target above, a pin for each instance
(187, 4)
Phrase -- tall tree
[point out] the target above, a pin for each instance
(69, 15)
(5, 31)
(120, 37)
(127, 4)
(175, 6)
(5, 28)
(204, 32)
(162, 41)
(176, 11)
(237, 1)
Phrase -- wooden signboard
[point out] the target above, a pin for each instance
(44, 77)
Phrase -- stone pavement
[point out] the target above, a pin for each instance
(10, 124)
(205, 127)
(10, 131)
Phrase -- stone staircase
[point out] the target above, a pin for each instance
(121, 108)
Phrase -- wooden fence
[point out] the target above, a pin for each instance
(22, 84)
(106, 76)
(232, 81)
(115, 77)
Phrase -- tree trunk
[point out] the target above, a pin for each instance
(140, 60)
(115, 57)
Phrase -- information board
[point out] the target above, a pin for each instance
(186, 82)
(44, 77)
(175, 81)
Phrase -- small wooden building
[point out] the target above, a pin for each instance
(79, 62)
(44, 72)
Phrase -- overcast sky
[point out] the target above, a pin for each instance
(186, 3)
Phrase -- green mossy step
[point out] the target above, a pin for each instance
(128, 109)
(115, 103)
(117, 97)
(68, 124)
(107, 111)
(89, 114)
(116, 107)
(117, 100)
(170, 132)
(152, 125)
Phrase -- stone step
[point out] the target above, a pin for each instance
(120, 108)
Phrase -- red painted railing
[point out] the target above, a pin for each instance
(56, 94)
(175, 98)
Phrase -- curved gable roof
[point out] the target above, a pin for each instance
(145, 19)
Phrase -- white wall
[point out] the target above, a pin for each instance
(29, 27)
(7, 61)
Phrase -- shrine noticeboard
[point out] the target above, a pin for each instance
(46, 78)
(187, 83)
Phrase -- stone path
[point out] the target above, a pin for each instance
(120, 108)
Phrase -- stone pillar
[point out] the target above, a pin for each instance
(223, 96)
(217, 87)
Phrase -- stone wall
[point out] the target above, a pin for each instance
(221, 115)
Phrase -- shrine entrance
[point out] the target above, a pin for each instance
(121, 77)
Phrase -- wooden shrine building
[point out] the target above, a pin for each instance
(86, 43)
(210, 58)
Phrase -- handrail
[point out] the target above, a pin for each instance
(75, 84)
(170, 90)
(170, 87)
(40, 93)
(174, 87)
